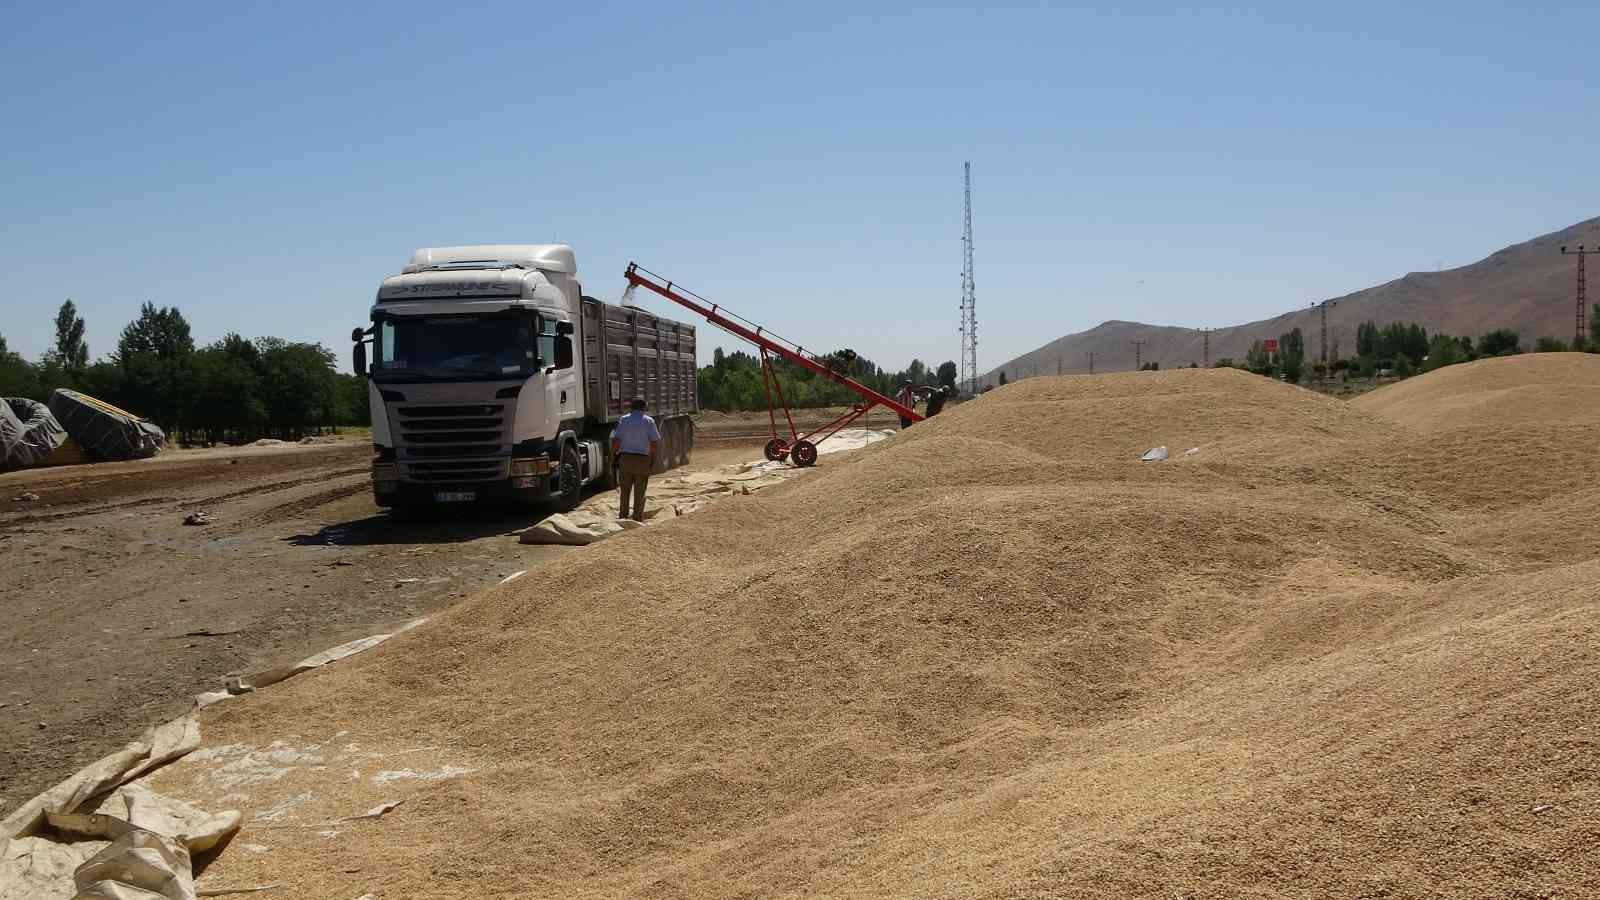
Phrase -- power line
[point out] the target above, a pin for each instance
(1138, 350)
(1579, 338)
(969, 298)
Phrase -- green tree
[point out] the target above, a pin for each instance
(17, 377)
(298, 386)
(917, 372)
(1257, 360)
(1002, 376)
(1443, 351)
(1500, 342)
(1594, 329)
(1550, 345)
(1292, 355)
(947, 373)
(162, 332)
(71, 351)
(225, 396)
(1367, 339)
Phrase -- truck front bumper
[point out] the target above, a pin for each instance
(531, 481)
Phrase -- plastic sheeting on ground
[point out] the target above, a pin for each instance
(244, 684)
(132, 843)
(106, 432)
(28, 433)
(670, 495)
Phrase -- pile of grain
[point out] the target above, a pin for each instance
(995, 657)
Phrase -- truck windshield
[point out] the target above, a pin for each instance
(455, 347)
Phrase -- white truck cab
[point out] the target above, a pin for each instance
(493, 378)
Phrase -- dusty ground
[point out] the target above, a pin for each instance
(117, 613)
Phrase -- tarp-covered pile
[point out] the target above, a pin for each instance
(106, 432)
(28, 433)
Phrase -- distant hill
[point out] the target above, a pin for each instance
(1527, 287)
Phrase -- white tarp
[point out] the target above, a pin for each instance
(135, 843)
(670, 495)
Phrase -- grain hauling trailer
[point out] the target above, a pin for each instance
(492, 377)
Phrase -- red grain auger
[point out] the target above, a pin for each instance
(800, 449)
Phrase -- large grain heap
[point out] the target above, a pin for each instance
(997, 656)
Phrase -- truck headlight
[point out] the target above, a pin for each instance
(385, 472)
(538, 465)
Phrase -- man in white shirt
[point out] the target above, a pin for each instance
(633, 449)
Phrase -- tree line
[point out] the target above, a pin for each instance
(1398, 349)
(234, 390)
(733, 380)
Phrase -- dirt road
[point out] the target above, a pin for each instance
(117, 613)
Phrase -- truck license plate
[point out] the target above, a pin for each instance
(455, 496)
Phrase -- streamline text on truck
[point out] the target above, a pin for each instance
(493, 378)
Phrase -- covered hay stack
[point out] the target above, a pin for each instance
(996, 657)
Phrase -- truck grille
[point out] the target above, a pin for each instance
(452, 443)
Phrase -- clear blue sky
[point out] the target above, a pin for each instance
(262, 169)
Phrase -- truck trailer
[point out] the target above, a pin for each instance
(492, 377)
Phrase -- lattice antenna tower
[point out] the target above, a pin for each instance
(1580, 337)
(969, 299)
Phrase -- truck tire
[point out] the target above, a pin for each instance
(668, 447)
(569, 478)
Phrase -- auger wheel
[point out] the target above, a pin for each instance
(804, 454)
(776, 449)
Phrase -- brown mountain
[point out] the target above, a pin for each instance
(1527, 287)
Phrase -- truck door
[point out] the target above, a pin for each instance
(561, 378)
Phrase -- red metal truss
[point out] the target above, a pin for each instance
(800, 448)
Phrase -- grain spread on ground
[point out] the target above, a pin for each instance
(1340, 651)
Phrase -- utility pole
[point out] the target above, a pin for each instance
(1092, 355)
(1058, 365)
(969, 298)
(1205, 337)
(1323, 307)
(1138, 350)
(1579, 338)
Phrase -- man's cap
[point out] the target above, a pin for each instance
(636, 403)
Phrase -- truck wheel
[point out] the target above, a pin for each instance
(804, 454)
(680, 443)
(570, 481)
(669, 449)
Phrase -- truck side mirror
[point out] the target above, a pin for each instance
(360, 360)
(358, 334)
(563, 352)
(564, 328)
